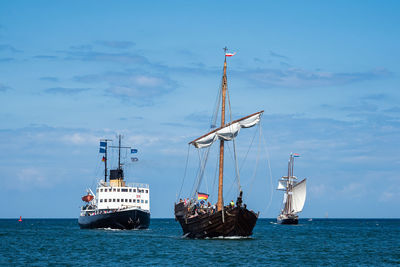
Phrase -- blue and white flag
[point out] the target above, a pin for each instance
(102, 150)
(103, 144)
(134, 159)
(134, 150)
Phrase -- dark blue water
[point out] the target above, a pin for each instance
(38, 242)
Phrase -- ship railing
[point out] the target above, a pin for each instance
(286, 177)
(137, 185)
(90, 210)
(102, 183)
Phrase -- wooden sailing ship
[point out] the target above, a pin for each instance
(294, 196)
(205, 221)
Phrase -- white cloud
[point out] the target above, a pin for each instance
(318, 190)
(299, 77)
(147, 81)
(389, 196)
(354, 190)
(30, 177)
(80, 138)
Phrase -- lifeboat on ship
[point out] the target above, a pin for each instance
(87, 198)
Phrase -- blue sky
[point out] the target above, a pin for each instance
(326, 74)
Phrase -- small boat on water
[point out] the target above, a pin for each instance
(294, 196)
(200, 219)
(116, 204)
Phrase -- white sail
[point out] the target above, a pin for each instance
(299, 196)
(228, 132)
(284, 198)
(251, 121)
(206, 140)
(281, 185)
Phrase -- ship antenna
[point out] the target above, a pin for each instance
(119, 152)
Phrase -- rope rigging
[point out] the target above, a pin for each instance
(270, 173)
(234, 147)
(184, 174)
(204, 153)
(245, 157)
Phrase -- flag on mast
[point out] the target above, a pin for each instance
(230, 54)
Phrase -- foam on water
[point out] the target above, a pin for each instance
(110, 229)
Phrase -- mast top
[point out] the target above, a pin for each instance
(225, 50)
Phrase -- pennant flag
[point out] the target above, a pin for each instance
(103, 159)
(295, 155)
(102, 150)
(133, 151)
(230, 54)
(202, 196)
(103, 144)
(134, 159)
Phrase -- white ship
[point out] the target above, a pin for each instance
(116, 204)
(294, 196)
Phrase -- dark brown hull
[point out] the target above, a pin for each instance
(288, 219)
(237, 221)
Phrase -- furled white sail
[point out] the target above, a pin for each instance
(299, 196)
(251, 121)
(281, 185)
(228, 132)
(206, 140)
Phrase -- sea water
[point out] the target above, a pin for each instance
(334, 242)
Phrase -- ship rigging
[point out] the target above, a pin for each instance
(196, 215)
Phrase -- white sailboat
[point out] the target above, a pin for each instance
(294, 196)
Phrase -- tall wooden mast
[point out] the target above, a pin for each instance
(220, 203)
(289, 188)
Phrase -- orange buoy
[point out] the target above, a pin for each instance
(20, 219)
(87, 198)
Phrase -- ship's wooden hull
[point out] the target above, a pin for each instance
(237, 221)
(125, 220)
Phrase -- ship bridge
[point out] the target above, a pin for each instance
(123, 196)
